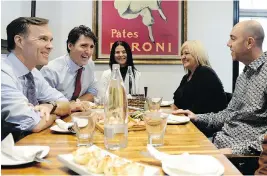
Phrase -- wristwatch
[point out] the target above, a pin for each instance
(54, 106)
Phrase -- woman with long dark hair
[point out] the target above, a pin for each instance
(120, 53)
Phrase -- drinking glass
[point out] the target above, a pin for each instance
(153, 103)
(156, 123)
(85, 126)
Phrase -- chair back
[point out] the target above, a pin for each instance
(228, 97)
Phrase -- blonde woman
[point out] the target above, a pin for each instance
(200, 90)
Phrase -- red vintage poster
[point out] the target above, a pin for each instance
(154, 29)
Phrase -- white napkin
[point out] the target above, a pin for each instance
(91, 103)
(63, 125)
(9, 149)
(187, 164)
(157, 154)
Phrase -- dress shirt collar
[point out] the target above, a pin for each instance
(72, 66)
(256, 64)
(20, 68)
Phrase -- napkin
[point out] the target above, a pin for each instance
(9, 149)
(91, 103)
(157, 154)
(187, 164)
(63, 125)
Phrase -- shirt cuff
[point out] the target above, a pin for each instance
(62, 99)
(29, 123)
(236, 149)
(92, 91)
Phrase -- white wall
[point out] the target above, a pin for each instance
(208, 21)
(63, 16)
(11, 10)
(211, 22)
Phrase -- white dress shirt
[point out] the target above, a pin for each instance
(61, 74)
(105, 78)
(15, 106)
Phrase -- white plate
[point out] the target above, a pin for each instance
(67, 160)
(166, 103)
(81, 123)
(135, 108)
(173, 119)
(8, 161)
(201, 162)
(59, 130)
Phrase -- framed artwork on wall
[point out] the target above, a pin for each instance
(154, 29)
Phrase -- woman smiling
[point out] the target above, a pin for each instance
(200, 90)
(120, 54)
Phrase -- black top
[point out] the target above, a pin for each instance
(204, 93)
(123, 71)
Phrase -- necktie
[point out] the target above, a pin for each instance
(78, 85)
(31, 94)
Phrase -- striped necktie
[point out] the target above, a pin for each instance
(78, 85)
(31, 91)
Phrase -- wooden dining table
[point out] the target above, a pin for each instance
(178, 139)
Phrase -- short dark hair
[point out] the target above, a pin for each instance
(76, 32)
(20, 26)
(128, 50)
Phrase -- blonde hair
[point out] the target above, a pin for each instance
(198, 51)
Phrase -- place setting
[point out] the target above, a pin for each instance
(12, 155)
(185, 164)
(78, 120)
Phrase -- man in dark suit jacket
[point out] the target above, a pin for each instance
(262, 170)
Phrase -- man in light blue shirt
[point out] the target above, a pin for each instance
(25, 94)
(73, 74)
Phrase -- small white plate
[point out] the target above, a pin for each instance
(166, 103)
(81, 123)
(59, 130)
(173, 119)
(202, 164)
(67, 160)
(8, 161)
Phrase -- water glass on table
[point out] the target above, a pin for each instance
(153, 103)
(84, 125)
(156, 123)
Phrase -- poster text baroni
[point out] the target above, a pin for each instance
(147, 46)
